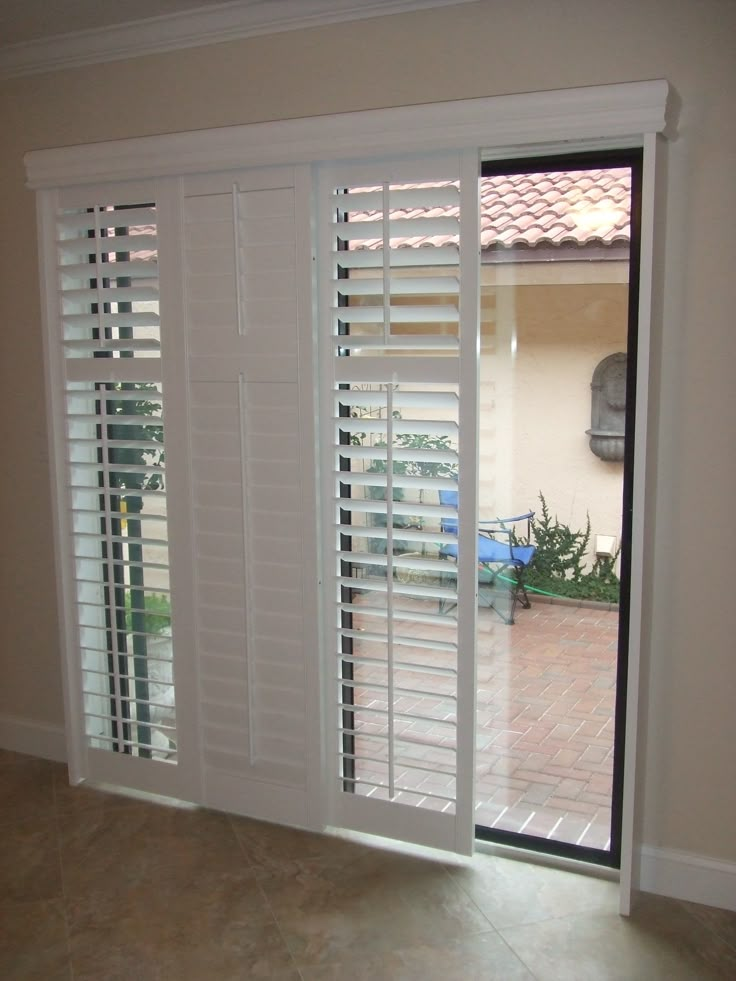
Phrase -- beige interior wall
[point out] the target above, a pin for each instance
(478, 49)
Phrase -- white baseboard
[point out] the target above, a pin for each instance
(682, 875)
(33, 738)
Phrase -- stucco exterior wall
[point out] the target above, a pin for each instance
(541, 342)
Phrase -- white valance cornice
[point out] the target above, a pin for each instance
(619, 114)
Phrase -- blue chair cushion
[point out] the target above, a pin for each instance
(490, 550)
(448, 498)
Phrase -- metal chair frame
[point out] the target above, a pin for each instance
(503, 562)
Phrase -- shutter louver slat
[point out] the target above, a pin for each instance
(122, 294)
(401, 509)
(400, 589)
(137, 269)
(411, 616)
(442, 256)
(108, 321)
(422, 286)
(404, 314)
(398, 342)
(440, 428)
(92, 219)
(111, 245)
(350, 231)
(435, 645)
(406, 482)
(423, 400)
(354, 452)
(403, 198)
(400, 562)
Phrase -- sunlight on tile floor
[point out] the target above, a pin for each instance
(99, 887)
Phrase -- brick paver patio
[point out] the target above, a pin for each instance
(546, 688)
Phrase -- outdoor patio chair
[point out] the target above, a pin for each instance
(502, 562)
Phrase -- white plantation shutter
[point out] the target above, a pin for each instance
(252, 465)
(105, 344)
(187, 567)
(235, 385)
(243, 360)
(399, 327)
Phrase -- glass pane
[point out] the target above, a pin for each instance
(555, 294)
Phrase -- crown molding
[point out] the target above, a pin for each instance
(192, 28)
(618, 114)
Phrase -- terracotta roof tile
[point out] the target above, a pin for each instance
(533, 210)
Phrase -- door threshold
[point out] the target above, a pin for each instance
(561, 862)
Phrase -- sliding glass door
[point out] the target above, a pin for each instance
(558, 347)
(547, 531)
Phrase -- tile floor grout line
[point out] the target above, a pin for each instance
(707, 925)
(231, 821)
(461, 887)
(62, 879)
(277, 924)
(517, 955)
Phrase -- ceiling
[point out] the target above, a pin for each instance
(45, 35)
(31, 20)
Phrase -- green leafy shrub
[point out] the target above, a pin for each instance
(559, 563)
(560, 551)
(156, 616)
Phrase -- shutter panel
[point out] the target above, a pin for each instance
(249, 432)
(399, 299)
(106, 342)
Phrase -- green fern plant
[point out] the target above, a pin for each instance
(559, 563)
(560, 550)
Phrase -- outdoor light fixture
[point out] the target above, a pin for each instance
(606, 545)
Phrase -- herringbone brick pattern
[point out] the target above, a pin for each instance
(544, 748)
(546, 690)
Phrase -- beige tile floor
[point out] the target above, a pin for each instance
(97, 887)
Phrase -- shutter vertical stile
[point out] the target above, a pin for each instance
(399, 360)
(248, 427)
